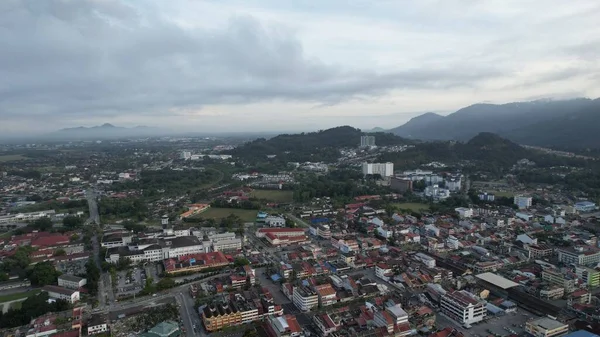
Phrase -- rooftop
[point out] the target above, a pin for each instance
(497, 280)
(547, 323)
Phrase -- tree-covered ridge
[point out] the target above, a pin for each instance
(322, 145)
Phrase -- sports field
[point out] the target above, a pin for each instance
(273, 195)
(413, 206)
(247, 215)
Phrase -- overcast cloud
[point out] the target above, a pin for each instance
(283, 64)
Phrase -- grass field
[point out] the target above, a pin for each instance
(413, 206)
(503, 194)
(18, 296)
(247, 215)
(274, 195)
(12, 157)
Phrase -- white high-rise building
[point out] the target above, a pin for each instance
(523, 202)
(383, 169)
(186, 155)
(367, 141)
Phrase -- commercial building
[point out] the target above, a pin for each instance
(425, 259)
(464, 212)
(383, 271)
(282, 236)
(367, 141)
(275, 221)
(579, 255)
(463, 307)
(71, 281)
(286, 326)
(305, 298)
(195, 262)
(585, 206)
(327, 295)
(401, 185)
(546, 327)
(97, 324)
(220, 315)
(523, 202)
(556, 277)
(60, 293)
(227, 245)
(383, 169)
(590, 276)
(116, 239)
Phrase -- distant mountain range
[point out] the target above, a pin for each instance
(104, 131)
(567, 124)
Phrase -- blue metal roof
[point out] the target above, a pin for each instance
(581, 333)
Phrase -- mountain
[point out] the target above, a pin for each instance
(417, 125)
(573, 131)
(323, 145)
(104, 131)
(500, 119)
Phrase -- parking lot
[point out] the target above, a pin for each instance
(500, 326)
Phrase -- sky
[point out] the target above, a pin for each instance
(268, 65)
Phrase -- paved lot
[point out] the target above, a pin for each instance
(497, 325)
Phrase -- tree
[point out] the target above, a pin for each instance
(124, 263)
(72, 221)
(42, 224)
(43, 273)
(74, 238)
(60, 252)
(165, 283)
(241, 261)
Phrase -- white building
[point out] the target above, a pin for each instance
(383, 169)
(225, 245)
(367, 141)
(275, 221)
(383, 271)
(97, 324)
(579, 255)
(186, 155)
(454, 184)
(546, 327)
(463, 307)
(71, 282)
(523, 202)
(425, 259)
(60, 293)
(436, 192)
(464, 212)
(304, 298)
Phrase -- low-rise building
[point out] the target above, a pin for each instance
(98, 323)
(463, 307)
(71, 281)
(60, 293)
(546, 327)
(305, 298)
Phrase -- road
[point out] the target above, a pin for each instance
(91, 196)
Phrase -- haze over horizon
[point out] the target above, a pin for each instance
(268, 65)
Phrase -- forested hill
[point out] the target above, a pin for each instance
(312, 146)
(486, 151)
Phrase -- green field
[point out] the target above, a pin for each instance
(12, 157)
(18, 296)
(247, 215)
(413, 206)
(503, 194)
(273, 195)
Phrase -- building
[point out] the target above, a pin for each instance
(282, 236)
(327, 295)
(116, 239)
(464, 212)
(401, 185)
(486, 196)
(585, 206)
(590, 276)
(546, 327)
(367, 141)
(275, 221)
(383, 169)
(60, 293)
(436, 192)
(579, 255)
(305, 298)
(227, 245)
(286, 326)
(195, 262)
(523, 202)
(463, 307)
(220, 315)
(163, 329)
(555, 277)
(98, 323)
(427, 260)
(71, 282)
(383, 271)
(186, 155)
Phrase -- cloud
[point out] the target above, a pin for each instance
(104, 59)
